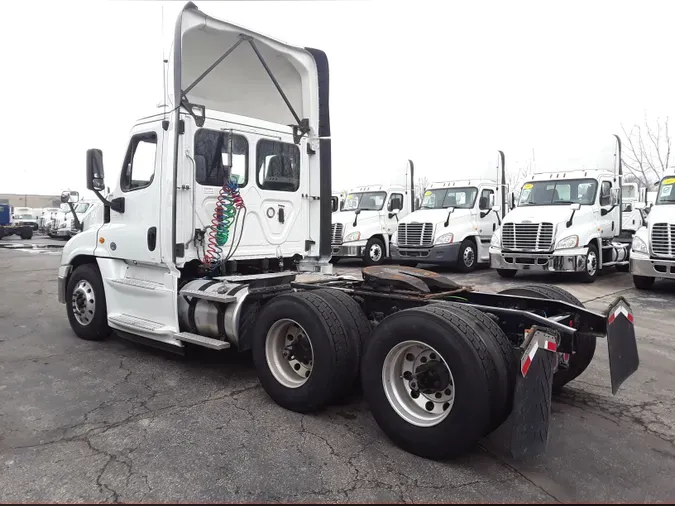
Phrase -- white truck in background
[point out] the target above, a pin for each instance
(64, 223)
(631, 218)
(652, 254)
(567, 221)
(25, 216)
(364, 226)
(337, 202)
(454, 224)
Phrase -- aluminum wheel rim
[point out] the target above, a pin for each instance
(431, 406)
(591, 263)
(468, 257)
(283, 337)
(83, 302)
(375, 252)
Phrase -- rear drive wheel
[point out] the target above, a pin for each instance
(591, 267)
(466, 259)
(86, 304)
(27, 233)
(303, 354)
(643, 282)
(427, 378)
(507, 273)
(374, 253)
(583, 355)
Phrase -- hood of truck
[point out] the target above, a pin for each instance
(545, 214)
(436, 216)
(664, 213)
(240, 84)
(347, 217)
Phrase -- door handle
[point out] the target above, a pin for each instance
(280, 214)
(152, 238)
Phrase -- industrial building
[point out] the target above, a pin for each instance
(30, 200)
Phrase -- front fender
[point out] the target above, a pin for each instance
(82, 244)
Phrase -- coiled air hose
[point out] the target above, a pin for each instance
(228, 206)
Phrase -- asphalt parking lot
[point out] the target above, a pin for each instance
(115, 421)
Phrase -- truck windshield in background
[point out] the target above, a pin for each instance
(81, 208)
(441, 198)
(24, 217)
(558, 192)
(367, 201)
(666, 194)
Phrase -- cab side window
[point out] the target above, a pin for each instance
(278, 165)
(395, 202)
(605, 190)
(487, 200)
(139, 163)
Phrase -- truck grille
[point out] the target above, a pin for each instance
(663, 239)
(415, 234)
(336, 233)
(527, 236)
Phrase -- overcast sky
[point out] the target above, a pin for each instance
(442, 83)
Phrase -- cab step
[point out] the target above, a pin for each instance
(212, 296)
(207, 342)
(139, 283)
(133, 323)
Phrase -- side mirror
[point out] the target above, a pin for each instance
(95, 174)
(496, 209)
(394, 212)
(417, 203)
(629, 208)
(72, 197)
(513, 200)
(575, 207)
(615, 196)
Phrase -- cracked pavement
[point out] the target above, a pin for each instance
(120, 422)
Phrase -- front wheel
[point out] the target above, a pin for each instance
(466, 259)
(643, 282)
(507, 273)
(86, 304)
(591, 269)
(374, 253)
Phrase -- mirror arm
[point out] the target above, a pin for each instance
(605, 212)
(499, 219)
(116, 205)
(77, 221)
(569, 222)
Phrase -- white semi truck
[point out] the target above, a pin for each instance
(364, 226)
(652, 253)
(454, 224)
(632, 218)
(566, 221)
(173, 264)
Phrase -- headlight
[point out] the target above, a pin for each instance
(444, 239)
(496, 240)
(354, 236)
(568, 242)
(639, 245)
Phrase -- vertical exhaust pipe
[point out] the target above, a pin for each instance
(502, 182)
(411, 166)
(619, 173)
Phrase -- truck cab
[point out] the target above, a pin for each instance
(631, 217)
(652, 254)
(565, 221)
(25, 217)
(368, 219)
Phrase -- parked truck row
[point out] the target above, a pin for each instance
(220, 232)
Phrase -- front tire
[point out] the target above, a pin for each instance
(429, 379)
(467, 257)
(507, 273)
(375, 252)
(86, 303)
(643, 282)
(591, 267)
(303, 354)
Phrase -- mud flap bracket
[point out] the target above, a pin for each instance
(525, 432)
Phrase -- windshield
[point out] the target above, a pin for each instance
(367, 201)
(81, 208)
(25, 216)
(666, 194)
(568, 191)
(440, 198)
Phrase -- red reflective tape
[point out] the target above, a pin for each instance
(566, 357)
(611, 318)
(526, 366)
(630, 317)
(551, 346)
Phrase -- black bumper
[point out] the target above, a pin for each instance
(441, 254)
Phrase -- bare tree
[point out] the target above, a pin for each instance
(517, 174)
(646, 151)
(420, 185)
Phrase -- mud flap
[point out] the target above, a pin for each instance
(621, 343)
(525, 432)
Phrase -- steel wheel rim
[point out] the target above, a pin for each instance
(83, 301)
(591, 263)
(375, 252)
(283, 338)
(468, 256)
(431, 406)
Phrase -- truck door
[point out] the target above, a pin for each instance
(487, 219)
(608, 223)
(134, 234)
(395, 201)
